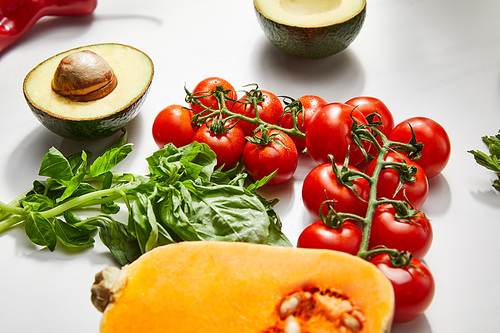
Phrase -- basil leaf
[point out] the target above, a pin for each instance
(76, 180)
(115, 236)
(37, 202)
(143, 221)
(222, 212)
(110, 159)
(56, 166)
(40, 231)
(72, 236)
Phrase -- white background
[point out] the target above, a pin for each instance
(434, 58)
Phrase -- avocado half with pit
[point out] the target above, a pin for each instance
(311, 28)
(89, 92)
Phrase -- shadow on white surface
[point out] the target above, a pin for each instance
(341, 73)
(419, 325)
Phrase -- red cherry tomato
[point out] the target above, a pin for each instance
(279, 154)
(369, 105)
(321, 184)
(329, 133)
(270, 110)
(317, 235)
(413, 234)
(310, 104)
(173, 125)
(205, 87)
(389, 179)
(413, 287)
(228, 145)
(437, 146)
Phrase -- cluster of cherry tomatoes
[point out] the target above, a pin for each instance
(324, 131)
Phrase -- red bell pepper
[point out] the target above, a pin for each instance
(18, 16)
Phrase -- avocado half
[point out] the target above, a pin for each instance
(311, 28)
(82, 119)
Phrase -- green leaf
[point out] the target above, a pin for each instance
(56, 166)
(225, 213)
(142, 219)
(72, 236)
(37, 202)
(75, 181)
(115, 236)
(40, 231)
(110, 159)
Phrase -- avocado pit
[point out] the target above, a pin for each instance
(84, 76)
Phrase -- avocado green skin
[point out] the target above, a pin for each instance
(318, 42)
(89, 129)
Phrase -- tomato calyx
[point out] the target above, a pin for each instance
(265, 138)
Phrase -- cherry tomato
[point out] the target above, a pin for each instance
(205, 87)
(321, 184)
(279, 154)
(437, 147)
(228, 143)
(413, 233)
(389, 179)
(413, 287)
(317, 235)
(329, 133)
(270, 110)
(368, 105)
(173, 125)
(310, 104)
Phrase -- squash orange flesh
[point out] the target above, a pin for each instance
(238, 287)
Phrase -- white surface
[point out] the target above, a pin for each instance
(439, 59)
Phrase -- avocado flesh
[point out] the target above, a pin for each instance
(133, 69)
(311, 28)
(309, 13)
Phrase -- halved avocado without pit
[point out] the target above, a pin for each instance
(311, 28)
(89, 92)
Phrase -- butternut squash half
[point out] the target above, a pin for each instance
(241, 287)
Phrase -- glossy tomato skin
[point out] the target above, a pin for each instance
(270, 111)
(317, 235)
(173, 125)
(321, 181)
(437, 146)
(205, 87)
(413, 288)
(311, 105)
(228, 146)
(413, 234)
(329, 133)
(261, 161)
(416, 192)
(368, 105)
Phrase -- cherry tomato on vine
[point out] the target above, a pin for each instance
(321, 184)
(413, 233)
(317, 235)
(437, 146)
(311, 105)
(269, 110)
(368, 105)
(279, 153)
(329, 133)
(414, 287)
(173, 125)
(227, 142)
(205, 87)
(388, 182)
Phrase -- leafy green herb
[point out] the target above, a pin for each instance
(490, 161)
(183, 198)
